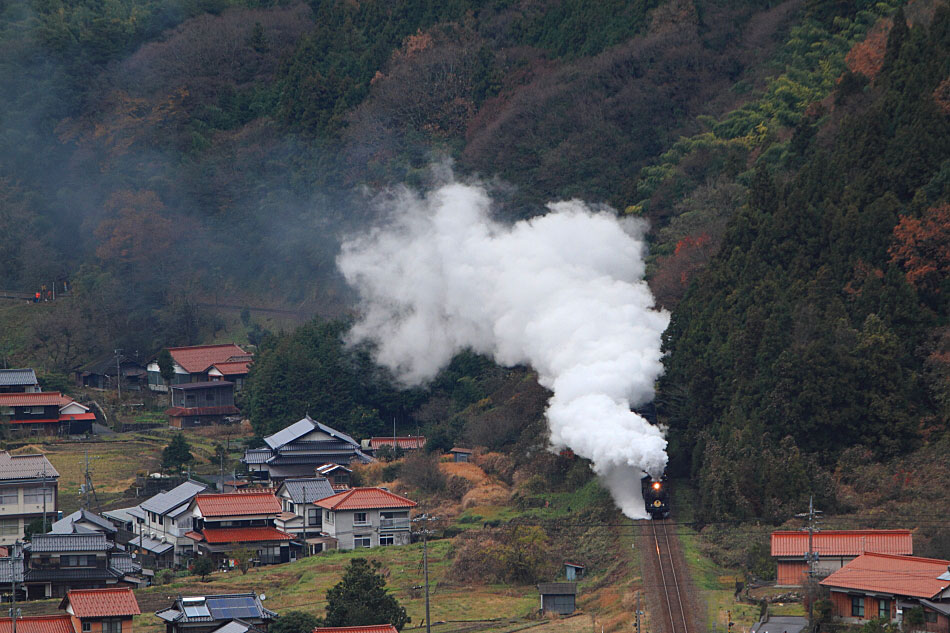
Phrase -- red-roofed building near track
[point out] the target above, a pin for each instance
(203, 363)
(366, 517)
(101, 610)
(835, 548)
(225, 522)
(874, 586)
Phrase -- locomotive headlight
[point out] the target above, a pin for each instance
(656, 485)
(657, 503)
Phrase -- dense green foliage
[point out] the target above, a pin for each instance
(803, 327)
(177, 454)
(360, 598)
(295, 622)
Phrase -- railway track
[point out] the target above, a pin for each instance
(672, 607)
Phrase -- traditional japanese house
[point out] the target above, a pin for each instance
(202, 403)
(193, 364)
(229, 521)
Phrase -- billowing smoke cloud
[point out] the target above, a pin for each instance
(563, 292)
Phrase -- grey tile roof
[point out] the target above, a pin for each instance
(70, 543)
(301, 428)
(257, 455)
(9, 565)
(188, 386)
(67, 574)
(17, 377)
(237, 626)
(123, 515)
(125, 564)
(66, 525)
(308, 490)
(25, 467)
(151, 544)
(163, 502)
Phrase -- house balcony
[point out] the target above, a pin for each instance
(394, 524)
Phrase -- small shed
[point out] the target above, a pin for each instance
(573, 571)
(558, 597)
(461, 454)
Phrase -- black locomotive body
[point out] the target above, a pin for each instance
(656, 496)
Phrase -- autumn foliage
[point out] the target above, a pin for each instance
(922, 248)
(867, 56)
(675, 271)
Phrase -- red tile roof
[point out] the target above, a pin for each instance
(843, 542)
(76, 416)
(238, 504)
(100, 603)
(199, 358)
(38, 399)
(233, 367)
(365, 499)
(887, 573)
(373, 628)
(38, 624)
(243, 535)
(177, 412)
(414, 441)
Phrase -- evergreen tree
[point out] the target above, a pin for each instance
(177, 453)
(361, 598)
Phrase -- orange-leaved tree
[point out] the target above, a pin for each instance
(922, 247)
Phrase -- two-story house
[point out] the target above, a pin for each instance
(366, 517)
(163, 522)
(101, 610)
(204, 614)
(44, 413)
(201, 403)
(18, 381)
(193, 364)
(297, 450)
(301, 516)
(60, 562)
(28, 488)
(238, 520)
(84, 521)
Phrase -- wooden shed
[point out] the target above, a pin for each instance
(461, 454)
(573, 571)
(558, 597)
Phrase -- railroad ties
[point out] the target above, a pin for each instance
(670, 598)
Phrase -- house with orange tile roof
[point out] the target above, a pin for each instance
(195, 363)
(407, 443)
(45, 413)
(366, 517)
(60, 623)
(238, 520)
(835, 548)
(874, 586)
(100, 610)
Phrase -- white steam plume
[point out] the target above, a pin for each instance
(563, 292)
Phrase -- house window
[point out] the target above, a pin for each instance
(359, 518)
(86, 627)
(386, 539)
(930, 616)
(9, 526)
(35, 495)
(857, 606)
(340, 479)
(38, 410)
(112, 626)
(77, 561)
(362, 540)
(884, 608)
(328, 517)
(313, 516)
(9, 497)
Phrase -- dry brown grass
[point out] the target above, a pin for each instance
(467, 470)
(489, 494)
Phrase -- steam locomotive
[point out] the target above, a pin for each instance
(656, 496)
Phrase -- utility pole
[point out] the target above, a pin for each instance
(638, 612)
(425, 560)
(118, 373)
(15, 557)
(811, 558)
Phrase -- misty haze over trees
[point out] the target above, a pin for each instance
(791, 157)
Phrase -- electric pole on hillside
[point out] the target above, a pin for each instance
(811, 558)
(425, 531)
(118, 374)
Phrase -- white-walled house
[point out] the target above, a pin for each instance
(366, 517)
(196, 364)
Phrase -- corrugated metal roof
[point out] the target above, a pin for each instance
(198, 358)
(236, 626)
(301, 428)
(216, 536)
(308, 490)
(17, 377)
(188, 386)
(843, 542)
(70, 543)
(25, 467)
(38, 624)
(373, 628)
(887, 573)
(557, 588)
(151, 544)
(101, 603)
(124, 563)
(365, 499)
(164, 502)
(411, 442)
(69, 574)
(237, 504)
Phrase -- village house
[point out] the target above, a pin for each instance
(234, 370)
(337, 474)
(83, 521)
(366, 517)
(404, 444)
(60, 623)
(28, 487)
(835, 548)
(301, 516)
(101, 610)
(877, 585)
(194, 364)
(18, 381)
(57, 563)
(101, 373)
(44, 413)
(209, 614)
(296, 450)
(239, 520)
(162, 524)
(201, 403)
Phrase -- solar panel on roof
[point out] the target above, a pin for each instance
(196, 611)
(233, 607)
